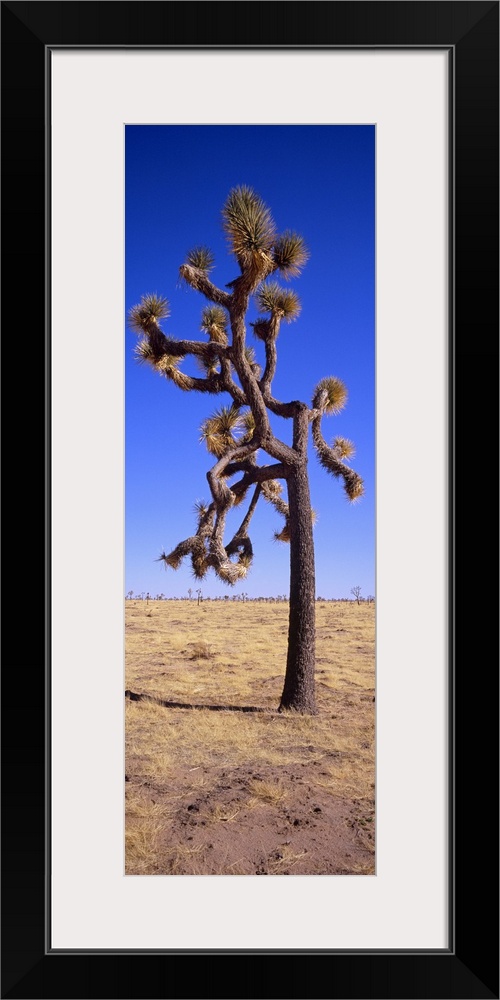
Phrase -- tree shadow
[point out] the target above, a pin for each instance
(133, 696)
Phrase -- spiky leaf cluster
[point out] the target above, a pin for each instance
(290, 254)
(282, 302)
(284, 534)
(261, 329)
(272, 489)
(199, 565)
(344, 447)
(252, 361)
(330, 395)
(150, 309)
(167, 365)
(214, 323)
(247, 426)
(202, 258)
(249, 228)
(209, 366)
(172, 559)
(146, 354)
(200, 508)
(252, 237)
(218, 431)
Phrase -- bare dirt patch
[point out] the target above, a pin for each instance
(235, 792)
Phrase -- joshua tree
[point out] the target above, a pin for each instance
(235, 433)
(357, 593)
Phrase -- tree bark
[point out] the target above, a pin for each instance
(298, 691)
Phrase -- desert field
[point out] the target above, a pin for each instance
(217, 782)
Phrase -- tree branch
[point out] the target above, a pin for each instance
(260, 474)
(224, 498)
(301, 428)
(246, 465)
(206, 546)
(243, 528)
(280, 451)
(197, 279)
(240, 541)
(330, 460)
(286, 410)
(229, 384)
(188, 383)
(180, 348)
(272, 330)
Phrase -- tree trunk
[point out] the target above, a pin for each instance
(298, 691)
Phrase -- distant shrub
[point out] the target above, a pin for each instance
(201, 651)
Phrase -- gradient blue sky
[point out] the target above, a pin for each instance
(320, 182)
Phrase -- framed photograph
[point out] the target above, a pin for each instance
(422, 80)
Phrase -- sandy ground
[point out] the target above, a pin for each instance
(217, 782)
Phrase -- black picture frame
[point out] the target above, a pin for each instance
(469, 968)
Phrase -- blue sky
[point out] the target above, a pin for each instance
(318, 181)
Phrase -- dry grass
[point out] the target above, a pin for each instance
(225, 764)
(145, 821)
(268, 791)
(221, 814)
(284, 858)
(201, 651)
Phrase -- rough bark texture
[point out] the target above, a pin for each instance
(298, 690)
